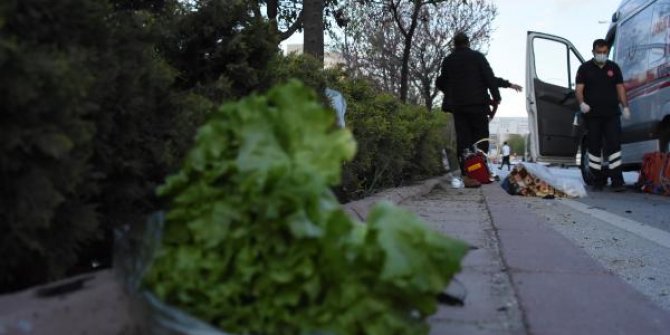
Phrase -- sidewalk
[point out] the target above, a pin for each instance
(526, 278)
(523, 278)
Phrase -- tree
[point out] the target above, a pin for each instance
(373, 43)
(98, 106)
(314, 28)
(290, 16)
(517, 143)
(406, 16)
(433, 40)
(220, 49)
(370, 45)
(46, 131)
(285, 16)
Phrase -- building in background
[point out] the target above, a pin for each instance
(330, 59)
(294, 49)
(501, 127)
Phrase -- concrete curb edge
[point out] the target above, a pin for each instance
(359, 209)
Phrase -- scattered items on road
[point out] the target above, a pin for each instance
(536, 180)
(655, 173)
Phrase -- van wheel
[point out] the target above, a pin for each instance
(584, 165)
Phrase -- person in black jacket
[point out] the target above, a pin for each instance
(466, 78)
(504, 83)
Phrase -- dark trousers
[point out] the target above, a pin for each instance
(604, 141)
(505, 161)
(471, 124)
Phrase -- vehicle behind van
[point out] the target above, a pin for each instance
(639, 39)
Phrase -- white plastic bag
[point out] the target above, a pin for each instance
(572, 187)
(339, 104)
(134, 251)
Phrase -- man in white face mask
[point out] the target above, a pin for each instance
(602, 99)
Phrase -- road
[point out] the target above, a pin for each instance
(628, 233)
(648, 209)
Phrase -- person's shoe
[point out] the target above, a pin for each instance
(471, 183)
(618, 188)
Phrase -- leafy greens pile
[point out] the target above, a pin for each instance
(256, 243)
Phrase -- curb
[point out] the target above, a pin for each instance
(359, 209)
(98, 307)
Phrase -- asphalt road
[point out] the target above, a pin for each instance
(628, 232)
(648, 209)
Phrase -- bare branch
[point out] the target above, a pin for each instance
(375, 43)
(297, 24)
(396, 17)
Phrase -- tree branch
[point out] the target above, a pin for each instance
(272, 9)
(257, 10)
(396, 18)
(297, 24)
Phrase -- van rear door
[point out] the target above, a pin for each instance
(551, 68)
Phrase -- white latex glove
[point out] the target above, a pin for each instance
(584, 107)
(625, 112)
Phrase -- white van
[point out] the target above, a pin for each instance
(639, 36)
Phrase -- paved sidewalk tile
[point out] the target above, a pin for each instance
(537, 251)
(561, 289)
(490, 306)
(557, 303)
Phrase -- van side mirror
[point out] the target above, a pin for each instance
(615, 17)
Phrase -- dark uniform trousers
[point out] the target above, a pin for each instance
(604, 135)
(471, 124)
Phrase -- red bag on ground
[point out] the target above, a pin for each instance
(476, 168)
(655, 173)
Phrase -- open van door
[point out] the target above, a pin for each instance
(551, 68)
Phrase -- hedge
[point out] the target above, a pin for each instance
(101, 100)
(97, 109)
(398, 143)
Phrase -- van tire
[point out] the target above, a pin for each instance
(584, 165)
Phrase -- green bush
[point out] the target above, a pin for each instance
(256, 243)
(219, 49)
(167, 68)
(143, 124)
(398, 143)
(304, 68)
(100, 101)
(46, 132)
(429, 139)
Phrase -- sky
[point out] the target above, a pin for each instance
(580, 21)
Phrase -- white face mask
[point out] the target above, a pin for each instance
(600, 58)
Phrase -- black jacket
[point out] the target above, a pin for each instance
(504, 83)
(466, 80)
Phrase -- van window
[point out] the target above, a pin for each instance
(660, 25)
(633, 45)
(551, 62)
(555, 63)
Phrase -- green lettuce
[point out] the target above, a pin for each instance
(256, 243)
